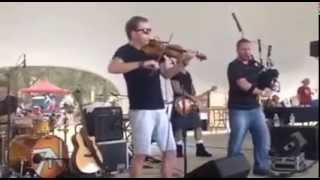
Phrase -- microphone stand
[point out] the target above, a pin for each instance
(4, 169)
(184, 138)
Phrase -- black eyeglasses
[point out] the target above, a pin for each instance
(144, 30)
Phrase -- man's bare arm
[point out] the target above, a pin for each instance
(118, 66)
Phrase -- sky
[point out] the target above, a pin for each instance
(86, 35)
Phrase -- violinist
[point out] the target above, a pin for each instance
(147, 114)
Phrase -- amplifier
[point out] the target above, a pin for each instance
(105, 123)
(314, 48)
(115, 155)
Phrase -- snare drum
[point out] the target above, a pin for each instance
(23, 126)
(42, 127)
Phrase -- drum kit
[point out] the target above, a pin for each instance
(41, 148)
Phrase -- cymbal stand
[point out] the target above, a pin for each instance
(4, 169)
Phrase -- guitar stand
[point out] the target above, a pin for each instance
(103, 173)
(21, 167)
(185, 168)
(65, 127)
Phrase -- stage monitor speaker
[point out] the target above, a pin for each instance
(314, 48)
(105, 123)
(229, 167)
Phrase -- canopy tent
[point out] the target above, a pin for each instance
(44, 86)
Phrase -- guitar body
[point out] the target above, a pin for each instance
(184, 105)
(83, 160)
(86, 157)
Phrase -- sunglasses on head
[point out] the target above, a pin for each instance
(144, 30)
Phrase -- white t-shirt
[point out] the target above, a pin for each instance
(166, 87)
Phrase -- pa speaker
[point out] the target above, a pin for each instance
(229, 167)
(8, 105)
(314, 49)
(105, 123)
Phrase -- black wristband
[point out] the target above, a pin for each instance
(251, 89)
(140, 64)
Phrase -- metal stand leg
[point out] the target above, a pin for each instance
(21, 168)
(4, 171)
(185, 152)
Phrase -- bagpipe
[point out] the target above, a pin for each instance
(269, 79)
(268, 75)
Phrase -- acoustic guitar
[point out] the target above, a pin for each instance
(86, 157)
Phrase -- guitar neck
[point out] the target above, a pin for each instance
(204, 93)
(82, 116)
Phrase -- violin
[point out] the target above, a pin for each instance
(160, 48)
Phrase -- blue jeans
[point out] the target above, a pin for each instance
(253, 120)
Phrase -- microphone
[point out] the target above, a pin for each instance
(77, 91)
(117, 95)
(269, 50)
(37, 158)
(114, 94)
(259, 45)
(237, 22)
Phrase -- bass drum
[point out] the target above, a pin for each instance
(46, 156)
(21, 150)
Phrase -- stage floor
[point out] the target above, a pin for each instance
(216, 144)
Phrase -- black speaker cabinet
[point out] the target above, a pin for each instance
(115, 155)
(105, 123)
(8, 105)
(314, 48)
(280, 136)
(229, 167)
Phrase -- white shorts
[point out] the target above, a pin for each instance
(147, 124)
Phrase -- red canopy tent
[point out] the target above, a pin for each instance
(44, 86)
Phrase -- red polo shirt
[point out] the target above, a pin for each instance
(304, 95)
